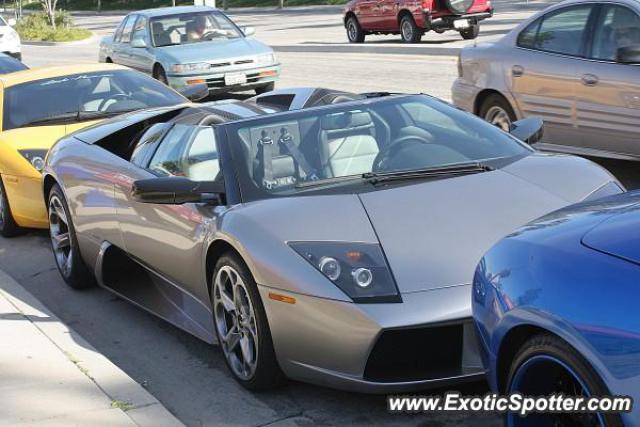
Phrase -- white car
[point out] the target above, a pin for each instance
(9, 39)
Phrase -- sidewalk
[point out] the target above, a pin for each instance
(50, 376)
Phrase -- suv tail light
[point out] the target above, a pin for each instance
(426, 5)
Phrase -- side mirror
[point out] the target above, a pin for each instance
(194, 92)
(11, 22)
(528, 130)
(138, 43)
(248, 31)
(629, 55)
(176, 190)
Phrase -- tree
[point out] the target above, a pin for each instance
(49, 7)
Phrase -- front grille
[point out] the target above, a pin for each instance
(416, 354)
(244, 61)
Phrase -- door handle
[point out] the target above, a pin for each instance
(590, 80)
(517, 71)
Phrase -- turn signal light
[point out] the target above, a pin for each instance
(282, 298)
(195, 82)
(269, 73)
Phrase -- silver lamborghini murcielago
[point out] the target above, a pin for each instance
(316, 235)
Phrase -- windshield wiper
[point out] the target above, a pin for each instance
(459, 169)
(74, 116)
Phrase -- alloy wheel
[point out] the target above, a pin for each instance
(60, 235)
(544, 375)
(352, 30)
(498, 117)
(407, 30)
(235, 322)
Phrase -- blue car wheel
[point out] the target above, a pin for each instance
(546, 365)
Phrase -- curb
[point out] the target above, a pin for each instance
(92, 39)
(143, 409)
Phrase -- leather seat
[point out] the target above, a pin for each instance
(348, 143)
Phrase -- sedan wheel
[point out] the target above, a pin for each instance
(241, 326)
(355, 33)
(65, 244)
(236, 323)
(409, 30)
(498, 117)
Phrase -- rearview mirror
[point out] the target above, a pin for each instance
(629, 55)
(176, 190)
(11, 22)
(528, 130)
(138, 43)
(248, 31)
(194, 92)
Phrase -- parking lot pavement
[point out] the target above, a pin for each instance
(186, 375)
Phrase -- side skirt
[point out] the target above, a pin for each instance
(135, 282)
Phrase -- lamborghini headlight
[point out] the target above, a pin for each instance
(190, 68)
(609, 189)
(35, 157)
(359, 269)
(264, 60)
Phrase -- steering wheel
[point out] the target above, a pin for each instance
(213, 33)
(115, 97)
(384, 157)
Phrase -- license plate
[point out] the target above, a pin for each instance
(235, 79)
(460, 24)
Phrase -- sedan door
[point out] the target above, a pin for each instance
(543, 70)
(141, 58)
(169, 238)
(608, 98)
(121, 48)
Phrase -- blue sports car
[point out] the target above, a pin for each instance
(556, 308)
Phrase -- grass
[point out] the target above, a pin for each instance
(146, 4)
(121, 404)
(35, 27)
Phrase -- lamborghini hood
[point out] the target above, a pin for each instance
(434, 233)
(39, 137)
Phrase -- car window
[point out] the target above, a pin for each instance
(193, 27)
(527, 38)
(125, 37)
(81, 97)
(188, 151)
(9, 65)
(140, 29)
(118, 34)
(563, 31)
(618, 27)
(148, 143)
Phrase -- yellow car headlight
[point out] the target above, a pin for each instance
(35, 157)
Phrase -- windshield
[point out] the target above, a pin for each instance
(187, 28)
(10, 65)
(347, 143)
(83, 97)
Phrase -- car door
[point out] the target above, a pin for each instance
(169, 238)
(543, 69)
(141, 58)
(121, 47)
(365, 13)
(608, 98)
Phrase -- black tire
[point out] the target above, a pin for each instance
(160, 75)
(74, 272)
(267, 373)
(266, 88)
(8, 226)
(355, 33)
(471, 33)
(409, 31)
(108, 61)
(496, 110)
(550, 347)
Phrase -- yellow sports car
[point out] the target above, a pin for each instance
(39, 106)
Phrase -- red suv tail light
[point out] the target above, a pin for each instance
(426, 5)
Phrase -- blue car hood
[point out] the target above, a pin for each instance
(213, 50)
(618, 235)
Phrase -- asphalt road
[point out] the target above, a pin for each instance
(186, 375)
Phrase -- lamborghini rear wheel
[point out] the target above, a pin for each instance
(64, 243)
(241, 326)
(8, 226)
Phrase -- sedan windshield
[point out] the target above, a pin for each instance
(79, 97)
(187, 28)
(365, 143)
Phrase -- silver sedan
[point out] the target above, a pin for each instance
(576, 65)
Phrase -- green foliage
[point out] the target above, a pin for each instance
(36, 27)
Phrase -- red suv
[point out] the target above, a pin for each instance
(412, 18)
